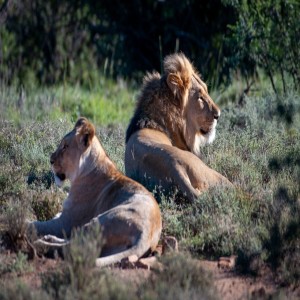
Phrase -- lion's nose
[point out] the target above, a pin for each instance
(51, 159)
(217, 115)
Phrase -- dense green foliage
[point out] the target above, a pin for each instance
(266, 35)
(75, 41)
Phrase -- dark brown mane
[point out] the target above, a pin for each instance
(161, 101)
(143, 117)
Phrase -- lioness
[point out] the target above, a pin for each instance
(174, 117)
(129, 215)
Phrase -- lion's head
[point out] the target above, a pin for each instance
(177, 104)
(69, 156)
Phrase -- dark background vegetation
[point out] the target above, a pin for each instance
(73, 40)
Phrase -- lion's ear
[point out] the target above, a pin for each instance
(175, 84)
(85, 132)
(179, 86)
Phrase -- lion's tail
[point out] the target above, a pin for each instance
(137, 250)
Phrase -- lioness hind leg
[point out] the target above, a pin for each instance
(118, 233)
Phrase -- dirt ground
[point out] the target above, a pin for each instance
(229, 284)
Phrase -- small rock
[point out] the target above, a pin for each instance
(129, 262)
(149, 263)
(146, 263)
(227, 262)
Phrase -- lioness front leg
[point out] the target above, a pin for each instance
(59, 227)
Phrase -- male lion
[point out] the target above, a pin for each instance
(174, 117)
(128, 214)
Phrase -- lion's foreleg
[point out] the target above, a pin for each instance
(182, 180)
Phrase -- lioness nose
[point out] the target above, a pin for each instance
(51, 160)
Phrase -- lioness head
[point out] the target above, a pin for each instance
(66, 161)
(177, 104)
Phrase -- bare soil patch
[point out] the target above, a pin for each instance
(228, 282)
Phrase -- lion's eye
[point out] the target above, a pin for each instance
(201, 99)
(65, 146)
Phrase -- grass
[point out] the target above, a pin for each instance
(81, 254)
(257, 148)
(106, 104)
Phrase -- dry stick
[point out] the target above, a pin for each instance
(284, 34)
(283, 80)
(31, 248)
(3, 11)
(292, 56)
(245, 92)
(265, 59)
(295, 68)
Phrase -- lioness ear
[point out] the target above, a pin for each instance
(85, 132)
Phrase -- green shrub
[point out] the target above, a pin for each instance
(81, 254)
(17, 290)
(20, 264)
(15, 217)
(265, 35)
(180, 277)
(46, 203)
(218, 223)
(55, 283)
(15, 263)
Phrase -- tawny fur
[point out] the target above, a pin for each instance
(128, 214)
(173, 119)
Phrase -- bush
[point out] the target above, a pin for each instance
(81, 254)
(15, 220)
(46, 203)
(265, 35)
(20, 291)
(217, 224)
(180, 277)
(76, 41)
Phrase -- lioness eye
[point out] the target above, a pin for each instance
(65, 147)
